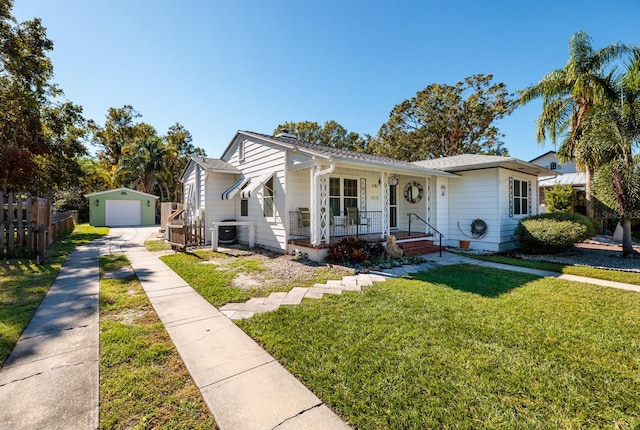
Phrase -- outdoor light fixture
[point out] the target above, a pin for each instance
(148, 202)
(97, 202)
(443, 188)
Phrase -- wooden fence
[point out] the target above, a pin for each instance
(182, 236)
(27, 225)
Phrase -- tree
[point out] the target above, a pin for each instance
(136, 157)
(611, 131)
(568, 94)
(179, 150)
(443, 120)
(119, 131)
(560, 198)
(143, 163)
(39, 135)
(329, 134)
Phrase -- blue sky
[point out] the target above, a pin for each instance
(219, 66)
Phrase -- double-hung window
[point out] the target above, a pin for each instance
(520, 197)
(267, 198)
(343, 194)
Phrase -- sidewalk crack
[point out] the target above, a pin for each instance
(49, 370)
(297, 415)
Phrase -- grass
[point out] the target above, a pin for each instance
(466, 347)
(157, 245)
(143, 381)
(210, 282)
(24, 283)
(589, 272)
(213, 279)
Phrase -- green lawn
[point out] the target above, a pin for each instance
(143, 382)
(589, 272)
(23, 284)
(466, 347)
(214, 281)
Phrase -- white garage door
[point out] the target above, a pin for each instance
(123, 212)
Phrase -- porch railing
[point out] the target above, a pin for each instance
(430, 229)
(355, 223)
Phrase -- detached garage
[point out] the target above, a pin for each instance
(121, 207)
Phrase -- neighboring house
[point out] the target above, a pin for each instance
(568, 175)
(302, 196)
(121, 207)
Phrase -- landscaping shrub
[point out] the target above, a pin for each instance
(354, 251)
(560, 198)
(554, 232)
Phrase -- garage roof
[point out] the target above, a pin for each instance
(122, 190)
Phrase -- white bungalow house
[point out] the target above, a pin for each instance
(301, 196)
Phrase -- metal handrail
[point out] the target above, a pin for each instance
(410, 214)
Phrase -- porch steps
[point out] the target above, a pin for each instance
(418, 247)
(253, 306)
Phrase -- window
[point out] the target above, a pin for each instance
(267, 198)
(244, 207)
(553, 166)
(343, 194)
(520, 197)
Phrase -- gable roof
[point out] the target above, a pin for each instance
(542, 156)
(214, 165)
(122, 190)
(210, 165)
(464, 162)
(336, 154)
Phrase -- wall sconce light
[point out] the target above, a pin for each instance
(97, 202)
(148, 202)
(443, 188)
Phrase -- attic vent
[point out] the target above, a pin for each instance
(285, 133)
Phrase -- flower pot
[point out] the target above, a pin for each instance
(464, 244)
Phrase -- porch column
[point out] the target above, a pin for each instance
(314, 205)
(384, 196)
(323, 218)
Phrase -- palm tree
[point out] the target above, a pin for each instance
(610, 135)
(569, 93)
(143, 163)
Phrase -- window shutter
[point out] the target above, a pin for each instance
(510, 197)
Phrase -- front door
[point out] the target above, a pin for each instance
(393, 207)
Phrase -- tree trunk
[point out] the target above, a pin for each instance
(588, 176)
(627, 241)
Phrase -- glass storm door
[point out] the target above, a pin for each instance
(393, 207)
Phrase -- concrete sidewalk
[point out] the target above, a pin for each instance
(50, 379)
(244, 386)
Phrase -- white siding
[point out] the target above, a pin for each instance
(509, 223)
(190, 182)
(260, 158)
(547, 159)
(218, 209)
(475, 195)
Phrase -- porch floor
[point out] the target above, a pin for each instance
(399, 234)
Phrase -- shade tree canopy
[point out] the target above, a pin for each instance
(40, 132)
(135, 156)
(329, 134)
(443, 120)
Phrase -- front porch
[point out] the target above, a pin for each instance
(401, 236)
